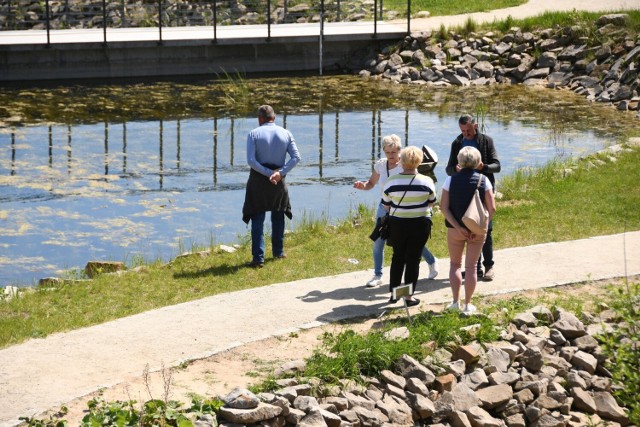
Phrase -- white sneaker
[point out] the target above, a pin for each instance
(433, 269)
(453, 306)
(375, 281)
(470, 309)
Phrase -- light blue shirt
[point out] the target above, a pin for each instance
(269, 144)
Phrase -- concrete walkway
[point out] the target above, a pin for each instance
(46, 373)
(530, 8)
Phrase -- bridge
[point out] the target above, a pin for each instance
(110, 53)
(38, 55)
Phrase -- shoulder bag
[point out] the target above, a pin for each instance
(476, 218)
(381, 229)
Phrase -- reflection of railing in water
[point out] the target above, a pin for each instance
(124, 148)
(160, 154)
(109, 132)
(215, 150)
(13, 153)
(106, 148)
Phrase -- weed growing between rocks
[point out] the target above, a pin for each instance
(622, 346)
(153, 412)
(353, 356)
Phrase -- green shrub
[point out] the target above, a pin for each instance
(622, 346)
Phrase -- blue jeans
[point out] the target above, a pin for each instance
(257, 235)
(378, 246)
(427, 255)
(378, 249)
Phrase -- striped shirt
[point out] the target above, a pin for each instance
(420, 195)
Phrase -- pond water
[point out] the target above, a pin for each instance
(141, 172)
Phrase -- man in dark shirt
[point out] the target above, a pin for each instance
(490, 166)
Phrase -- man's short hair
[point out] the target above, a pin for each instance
(466, 119)
(266, 112)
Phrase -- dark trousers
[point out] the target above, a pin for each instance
(408, 237)
(487, 251)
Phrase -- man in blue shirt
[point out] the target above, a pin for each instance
(490, 165)
(267, 149)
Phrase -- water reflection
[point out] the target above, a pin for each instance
(121, 188)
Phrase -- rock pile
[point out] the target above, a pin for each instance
(536, 375)
(555, 58)
(137, 13)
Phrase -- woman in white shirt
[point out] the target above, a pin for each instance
(382, 169)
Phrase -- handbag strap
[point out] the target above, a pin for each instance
(477, 186)
(402, 198)
(480, 180)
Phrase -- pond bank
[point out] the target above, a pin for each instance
(557, 58)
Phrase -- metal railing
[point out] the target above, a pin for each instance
(87, 14)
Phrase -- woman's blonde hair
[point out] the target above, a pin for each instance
(393, 141)
(469, 157)
(410, 157)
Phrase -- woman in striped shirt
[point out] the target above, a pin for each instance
(408, 196)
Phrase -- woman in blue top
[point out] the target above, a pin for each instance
(457, 192)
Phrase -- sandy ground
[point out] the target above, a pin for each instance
(249, 364)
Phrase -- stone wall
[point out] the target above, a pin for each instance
(555, 58)
(65, 14)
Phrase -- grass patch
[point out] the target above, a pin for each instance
(447, 7)
(560, 199)
(584, 23)
(349, 355)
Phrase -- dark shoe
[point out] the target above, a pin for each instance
(280, 256)
(412, 302)
(255, 264)
(392, 301)
(480, 274)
